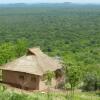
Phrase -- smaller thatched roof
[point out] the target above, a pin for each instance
(35, 62)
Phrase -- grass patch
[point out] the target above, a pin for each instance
(7, 95)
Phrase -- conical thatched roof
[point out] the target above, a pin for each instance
(35, 62)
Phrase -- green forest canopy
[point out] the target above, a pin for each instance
(71, 32)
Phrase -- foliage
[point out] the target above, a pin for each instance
(48, 76)
(91, 82)
(73, 74)
(21, 47)
(7, 52)
(10, 51)
(71, 32)
(9, 95)
(17, 96)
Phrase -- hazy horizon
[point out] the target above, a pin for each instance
(48, 1)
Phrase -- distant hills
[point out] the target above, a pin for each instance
(42, 4)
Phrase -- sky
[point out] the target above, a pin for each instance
(48, 1)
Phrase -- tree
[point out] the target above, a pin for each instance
(48, 76)
(90, 82)
(92, 78)
(21, 47)
(7, 53)
(73, 75)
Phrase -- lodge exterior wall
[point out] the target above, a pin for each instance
(30, 81)
(21, 80)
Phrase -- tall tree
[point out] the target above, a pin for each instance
(73, 75)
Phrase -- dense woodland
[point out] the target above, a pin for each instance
(67, 31)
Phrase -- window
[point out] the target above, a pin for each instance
(21, 77)
(33, 78)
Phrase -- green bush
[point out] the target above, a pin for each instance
(91, 83)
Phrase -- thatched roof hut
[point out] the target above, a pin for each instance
(34, 63)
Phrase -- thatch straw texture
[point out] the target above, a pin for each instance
(36, 63)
